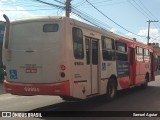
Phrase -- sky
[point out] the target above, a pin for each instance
(124, 17)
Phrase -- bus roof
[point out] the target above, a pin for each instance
(39, 18)
(107, 33)
(71, 20)
(133, 43)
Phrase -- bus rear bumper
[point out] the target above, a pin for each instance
(60, 89)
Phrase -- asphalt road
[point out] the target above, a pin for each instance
(134, 99)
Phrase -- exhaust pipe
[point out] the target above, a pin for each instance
(6, 18)
(7, 30)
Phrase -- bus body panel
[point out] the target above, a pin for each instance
(44, 62)
(33, 58)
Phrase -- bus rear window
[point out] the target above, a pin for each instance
(50, 27)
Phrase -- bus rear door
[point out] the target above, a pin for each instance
(92, 63)
(132, 65)
(152, 66)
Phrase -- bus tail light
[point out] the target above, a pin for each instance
(62, 67)
(62, 74)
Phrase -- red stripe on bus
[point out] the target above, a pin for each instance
(61, 88)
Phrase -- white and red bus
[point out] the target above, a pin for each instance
(65, 57)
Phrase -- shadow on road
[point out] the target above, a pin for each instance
(132, 99)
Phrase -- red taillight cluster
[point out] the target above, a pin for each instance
(62, 68)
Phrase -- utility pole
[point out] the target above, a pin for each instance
(68, 8)
(149, 29)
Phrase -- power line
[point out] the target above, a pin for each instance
(142, 11)
(147, 9)
(101, 3)
(90, 19)
(50, 4)
(26, 10)
(80, 3)
(96, 2)
(59, 2)
(141, 8)
(155, 39)
(26, 4)
(153, 16)
(93, 21)
(113, 20)
(40, 1)
(138, 9)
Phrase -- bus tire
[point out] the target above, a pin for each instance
(111, 89)
(145, 84)
(66, 98)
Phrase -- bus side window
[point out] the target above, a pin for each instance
(146, 54)
(77, 43)
(87, 51)
(121, 51)
(94, 52)
(140, 54)
(108, 48)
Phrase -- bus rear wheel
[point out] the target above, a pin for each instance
(111, 89)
